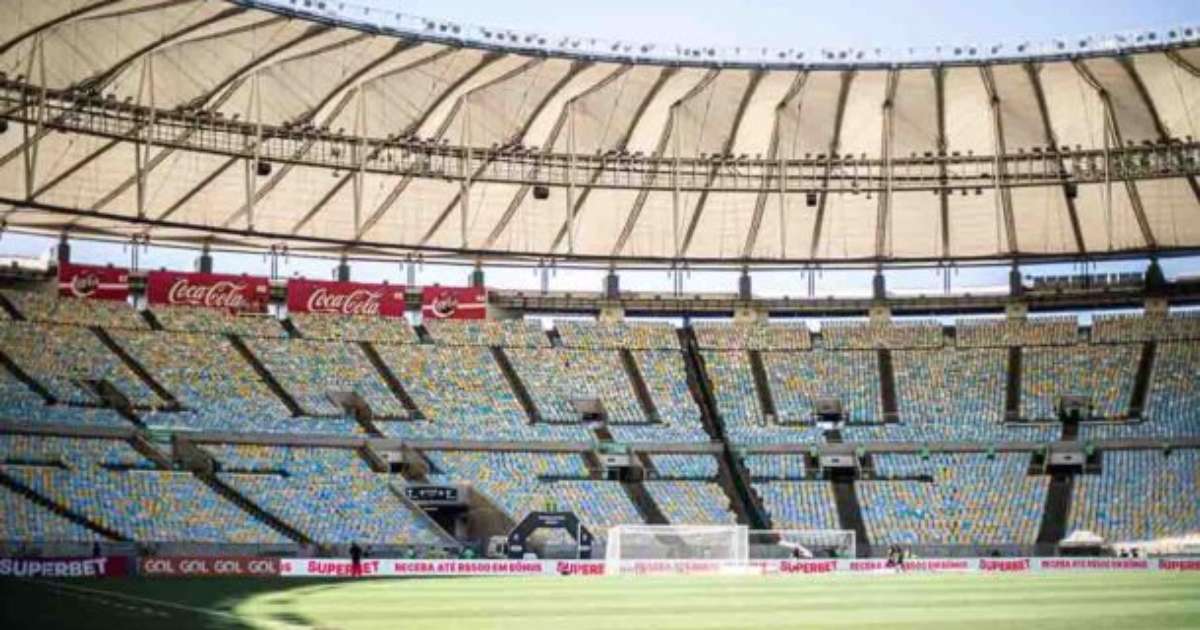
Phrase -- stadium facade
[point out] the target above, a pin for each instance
(189, 414)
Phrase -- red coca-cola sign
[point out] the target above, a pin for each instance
(208, 290)
(345, 298)
(93, 282)
(454, 302)
(208, 566)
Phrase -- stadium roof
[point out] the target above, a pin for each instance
(245, 125)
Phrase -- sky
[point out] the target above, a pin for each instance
(892, 24)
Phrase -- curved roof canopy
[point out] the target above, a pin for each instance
(201, 121)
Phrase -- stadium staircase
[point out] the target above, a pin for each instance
(1141, 386)
(887, 386)
(151, 320)
(61, 510)
(290, 328)
(1012, 391)
(766, 401)
(514, 381)
(741, 493)
(10, 309)
(651, 471)
(644, 503)
(147, 450)
(420, 514)
(649, 409)
(115, 399)
(592, 462)
(423, 334)
(850, 513)
(393, 383)
(29, 381)
(265, 375)
(555, 338)
(1056, 511)
(136, 366)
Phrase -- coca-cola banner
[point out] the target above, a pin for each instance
(208, 566)
(209, 290)
(454, 302)
(345, 298)
(64, 567)
(91, 281)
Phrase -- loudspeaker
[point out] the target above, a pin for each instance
(810, 199)
(1072, 190)
(264, 168)
(541, 193)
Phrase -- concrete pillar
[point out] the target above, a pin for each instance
(1157, 307)
(1156, 280)
(1015, 310)
(204, 264)
(748, 314)
(1015, 288)
(611, 313)
(878, 285)
(63, 251)
(612, 285)
(476, 277)
(880, 314)
(745, 287)
(343, 270)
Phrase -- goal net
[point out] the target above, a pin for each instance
(780, 544)
(651, 549)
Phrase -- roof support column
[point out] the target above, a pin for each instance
(1052, 145)
(145, 133)
(360, 159)
(675, 178)
(834, 143)
(571, 176)
(464, 197)
(883, 216)
(33, 140)
(1003, 197)
(939, 88)
(252, 165)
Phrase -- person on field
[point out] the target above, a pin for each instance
(356, 554)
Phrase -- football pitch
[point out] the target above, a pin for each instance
(1029, 601)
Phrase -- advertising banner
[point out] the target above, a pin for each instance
(345, 298)
(454, 303)
(208, 290)
(64, 567)
(93, 282)
(208, 566)
(310, 567)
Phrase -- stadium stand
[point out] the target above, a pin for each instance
(967, 499)
(1173, 408)
(19, 404)
(799, 504)
(22, 520)
(1104, 373)
(992, 333)
(328, 494)
(666, 379)
(1125, 328)
(1140, 496)
(850, 335)
(798, 379)
(505, 333)
(631, 335)
(217, 321)
(312, 370)
(63, 358)
(684, 466)
(557, 376)
(776, 467)
(134, 499)
(46, 308)
(691, 502)
(730, 336)
(353, 328)
(738, 406)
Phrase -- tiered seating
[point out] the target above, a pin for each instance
(25, 521)
(1106, 373)
(798, 379)
(1139, 496)
(219, 389)
(973, 499)
(217, 321)
(665, 376)
(784, 466)
(463, 395)
(1058, 330)
(507, 333)
(521, 482)
(691, 502)
(737, 403)
(20, 404)
(685, 465)
(44, 307)
(554, 377)
(799, 504)
(61, 357)
(1138, 328)
(311, 370)
(143, 504)
(729, 336)
(1173, 404)
(328, 494)
(353, 328)
(851, 335)
(632, 335)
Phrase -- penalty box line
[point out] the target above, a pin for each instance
(166, 604)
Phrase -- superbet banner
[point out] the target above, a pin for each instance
(93, 282)
(208, 566)
(454, 302)
(65, 567)
(208, 290)
(345, 298)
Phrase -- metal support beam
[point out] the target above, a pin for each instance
(1035, 80)
(1001, 194)
(773, 153)
(884, 209)
(834, 144)
(1159, 127)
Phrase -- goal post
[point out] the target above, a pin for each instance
(676, 549)
(780, 544)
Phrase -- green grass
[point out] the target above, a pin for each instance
(1030, 601)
